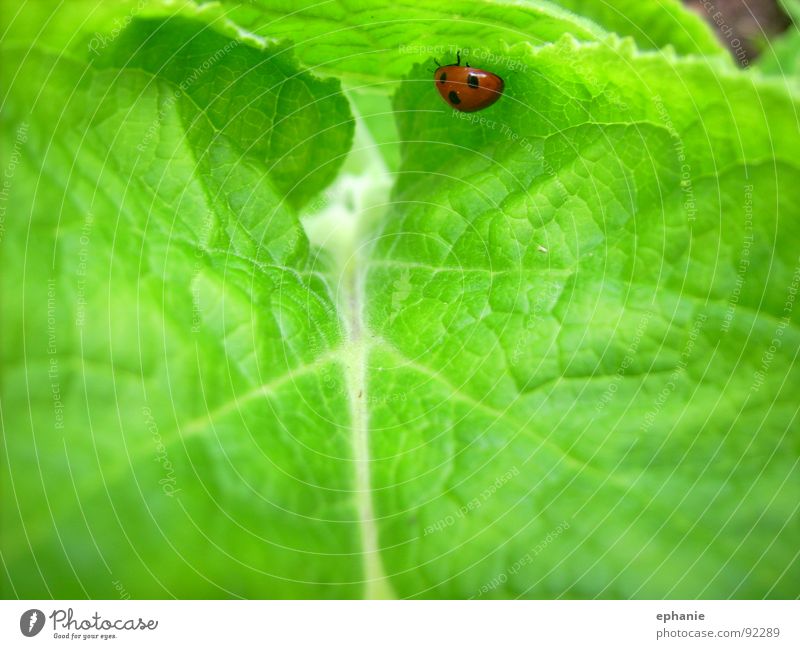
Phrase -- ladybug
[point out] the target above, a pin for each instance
(467, 89)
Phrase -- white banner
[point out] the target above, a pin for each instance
(399, 624)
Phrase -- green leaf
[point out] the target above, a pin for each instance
(781, 58)
(373, 40)
(175, 281)
(258, 342)
(285, 121)
(653, 24)
(597, 316)
(792, 8)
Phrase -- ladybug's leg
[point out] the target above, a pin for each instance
(458, 57)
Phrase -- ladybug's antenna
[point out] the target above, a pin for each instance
(437, 63)
(458, 57)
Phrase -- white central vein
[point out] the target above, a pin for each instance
(376, 584)
(340, 228)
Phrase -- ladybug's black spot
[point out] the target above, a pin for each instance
(453, 97)
(472, 81)
(443, 77)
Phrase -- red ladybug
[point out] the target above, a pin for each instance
(467, 89)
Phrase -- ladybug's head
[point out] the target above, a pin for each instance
(458, 61)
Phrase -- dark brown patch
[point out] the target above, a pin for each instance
(453, 97)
